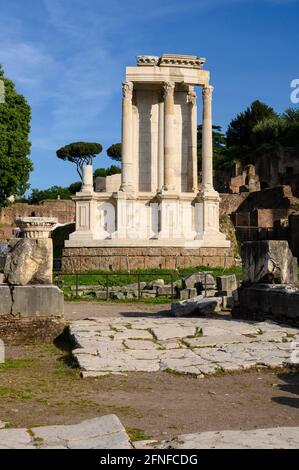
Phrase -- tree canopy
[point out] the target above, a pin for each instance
(15, 165)
(112, 170)
(114, 152)
(241, 140)
(80, 153)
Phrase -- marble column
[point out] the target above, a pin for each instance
(127, 176)
(192, 157)
(169, 149)
(87, 179)
(207, 139)
(161, 146)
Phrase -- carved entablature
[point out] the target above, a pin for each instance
(171, 60)
(127, 89)
(143, 60)
(188, 61)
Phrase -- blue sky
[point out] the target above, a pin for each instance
(68, 58)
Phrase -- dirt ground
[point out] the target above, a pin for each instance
(38, 386)
(81, 310)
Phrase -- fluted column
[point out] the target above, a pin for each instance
(192, 157)
(161, 146)
(169, 150)
(207, 139)
(127, 176)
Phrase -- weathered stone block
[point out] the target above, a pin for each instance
(269, 261)
(227, 283)
(39, 301)
(30, 261)
(187, 294)
(5, 300)
(196, 305)
(31, 301)
(199, 281)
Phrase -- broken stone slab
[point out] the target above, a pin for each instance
(271, 438)
(31, 301)
(29, 261)
(267, 262)
(197, 305)
(200, 281)
(227, 283)
(15, 439)
(105, 432)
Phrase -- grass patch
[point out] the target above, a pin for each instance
(136, 434)
(123, 278)
(9, 392)
(18, 363)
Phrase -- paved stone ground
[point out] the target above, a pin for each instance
(185, 345)
(106, 432)
(275, 438)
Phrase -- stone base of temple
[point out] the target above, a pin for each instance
(130, 258)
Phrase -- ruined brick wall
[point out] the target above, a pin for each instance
(118, 258)
(64, 210)
(230, 203)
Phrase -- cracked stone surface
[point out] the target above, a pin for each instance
(188, 346)
(273, 438)
(105, 432)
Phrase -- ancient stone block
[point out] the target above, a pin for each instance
(199, 281)
(227, 283)
(30, 262)
(269, 261)
(5, 300)
(187, 294)
(196, 305)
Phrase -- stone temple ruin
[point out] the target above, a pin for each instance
(157, 216)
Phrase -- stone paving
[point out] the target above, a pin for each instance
(105, 432)
(273, 438)
(185, 345)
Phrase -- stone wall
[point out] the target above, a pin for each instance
(64, 210)
(230, 203)
(118, 258)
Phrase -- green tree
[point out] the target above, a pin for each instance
(15, 166)
(280, 130)
(219, 143)
(103, 172)
(241, 140)
(75, 187)
(114, 152)
(54, 192)
(80, 153)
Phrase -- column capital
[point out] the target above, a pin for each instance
(192, 98)
(168, 89)
(207, 91)
(127, 88)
